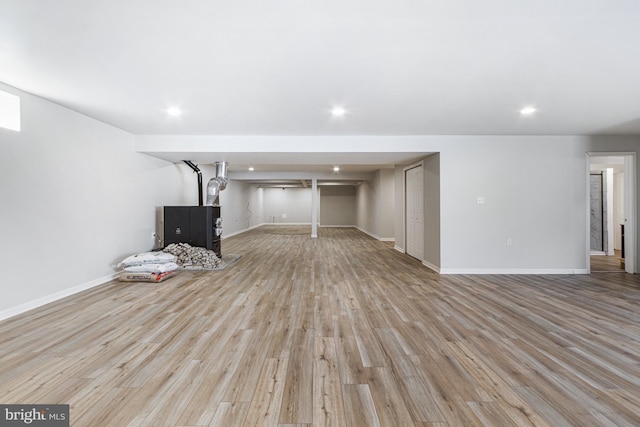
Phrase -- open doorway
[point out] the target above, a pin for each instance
(611, 225)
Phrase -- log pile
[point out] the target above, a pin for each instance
(193, 258)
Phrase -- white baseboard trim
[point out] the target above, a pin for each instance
(382, 239)
(528, 271)
(22, 308)
(286, 223)
(235, 233)
(367, 233)
(337, 226)
(399, 249)
(431, 266)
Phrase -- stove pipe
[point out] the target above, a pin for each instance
(197, 170)
(217, 184)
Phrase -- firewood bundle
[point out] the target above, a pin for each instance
(193, 258)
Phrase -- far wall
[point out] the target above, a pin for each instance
(288, 205)
(246, 206)
(338, 205)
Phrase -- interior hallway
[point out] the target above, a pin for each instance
(607, 264)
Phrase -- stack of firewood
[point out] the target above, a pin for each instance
(193, 258)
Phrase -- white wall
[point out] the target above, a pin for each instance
(365, 206)
(256, 206)
(431, 167)
(234, 202)
(385, 221)
(295, 203)
(375, 209)
(533, 194)
(75, 198)
(535, 191)
(338, 205)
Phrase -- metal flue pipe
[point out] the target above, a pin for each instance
(217, 184)
(197, 170)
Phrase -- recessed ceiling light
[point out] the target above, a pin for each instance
(336, 168)
(528, 110)
(174, 112)
(338, 112)
(251, 169)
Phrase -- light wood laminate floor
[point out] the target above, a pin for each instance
(607, 264)
(341, 330)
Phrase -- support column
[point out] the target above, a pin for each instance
(314, 208)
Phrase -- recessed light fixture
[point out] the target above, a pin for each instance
(526, 111)
(338, 111)
(251, 169)
(336, 168)
(174, 112)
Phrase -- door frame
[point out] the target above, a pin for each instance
(404, 205)
(629, 207)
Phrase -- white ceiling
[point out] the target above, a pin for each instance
(404, 67)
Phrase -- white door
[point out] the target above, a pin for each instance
(415, 212)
